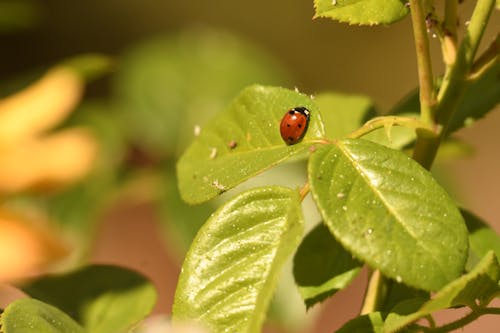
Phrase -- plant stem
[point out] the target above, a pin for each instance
(427, 98)
(453, 85)
(375, 293)
(486, 60)
(462, 321)
(388, 122)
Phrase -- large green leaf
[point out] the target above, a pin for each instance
(482, 239)
(230, 271)
(168, 84)
(389, 211)
(478, 286)
(322, 266)
(103, 299)
(242, 141)
(362, 12)
(29, 315)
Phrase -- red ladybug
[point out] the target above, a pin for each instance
(294, 124)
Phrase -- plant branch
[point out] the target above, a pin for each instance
(453, 85)
(476, 27)
(427, 98)
(388, 122)
(467, 319)
(375, 293)
(486, 60)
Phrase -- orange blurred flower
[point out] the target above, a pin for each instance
(31, 157)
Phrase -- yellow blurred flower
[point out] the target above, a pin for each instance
(26, 248)
(32, 157)
(29, 156)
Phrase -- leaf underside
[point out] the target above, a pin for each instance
(230, 271)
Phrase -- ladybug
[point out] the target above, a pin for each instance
(294, 124)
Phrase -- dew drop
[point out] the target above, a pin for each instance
(340, 195)
(344, 208)
(399, 279)
(197, 130)
(369, 231)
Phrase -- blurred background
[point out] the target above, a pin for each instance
(173, 65)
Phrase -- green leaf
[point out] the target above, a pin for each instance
(362, 12)
(481, 96)
(90, 66)
(30, 315)
(342, 113)
(243, 141)
(482, 238)
(478, 286)
(322, 266)
(168, 84)
(370, 323)
(230, 271)
(388, 211)
(399, 292)
(101, 298)
(181, 221)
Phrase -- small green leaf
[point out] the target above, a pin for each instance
(342, 113)
(389, 211)
(102, 299)
(243, 141)
(399, 292)
(480, 285)
(453, 148)
(181, 221)
(482, 238)
(370, 323)
(480, 97)
(90, 66)
(362, 12)
(322, 266)
(29, 315)
(230, 271)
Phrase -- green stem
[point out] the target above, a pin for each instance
(462, 321)
(375, 293)
(427, 98)
(453, 84)
(486, 60)
(388, 122)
